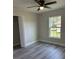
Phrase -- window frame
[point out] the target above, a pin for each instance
(55, 27)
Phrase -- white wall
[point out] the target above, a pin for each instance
(43, 26)
(28, 27)
(30, 32)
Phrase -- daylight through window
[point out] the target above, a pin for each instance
(55, 27)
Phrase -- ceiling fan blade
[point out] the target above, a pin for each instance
(38, 9)
(50, 3)
(32, 6)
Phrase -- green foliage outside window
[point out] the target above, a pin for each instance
(55, 27)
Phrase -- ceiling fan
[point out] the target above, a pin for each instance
(42, 4)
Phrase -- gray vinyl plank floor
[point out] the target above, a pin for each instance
(40, 50)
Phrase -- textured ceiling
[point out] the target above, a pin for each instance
(23, 4)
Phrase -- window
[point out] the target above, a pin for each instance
(55, 27)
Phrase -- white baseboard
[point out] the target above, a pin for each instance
(52, 42)
(46, 42)
(30, 43)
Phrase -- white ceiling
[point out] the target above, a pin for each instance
(23, 4)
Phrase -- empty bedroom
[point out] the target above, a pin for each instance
(38, 29)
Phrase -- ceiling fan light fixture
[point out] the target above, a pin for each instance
(41, 8)
(42, 4)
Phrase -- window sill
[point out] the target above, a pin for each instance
(54, 38)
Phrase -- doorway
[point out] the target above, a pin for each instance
(16, 33)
